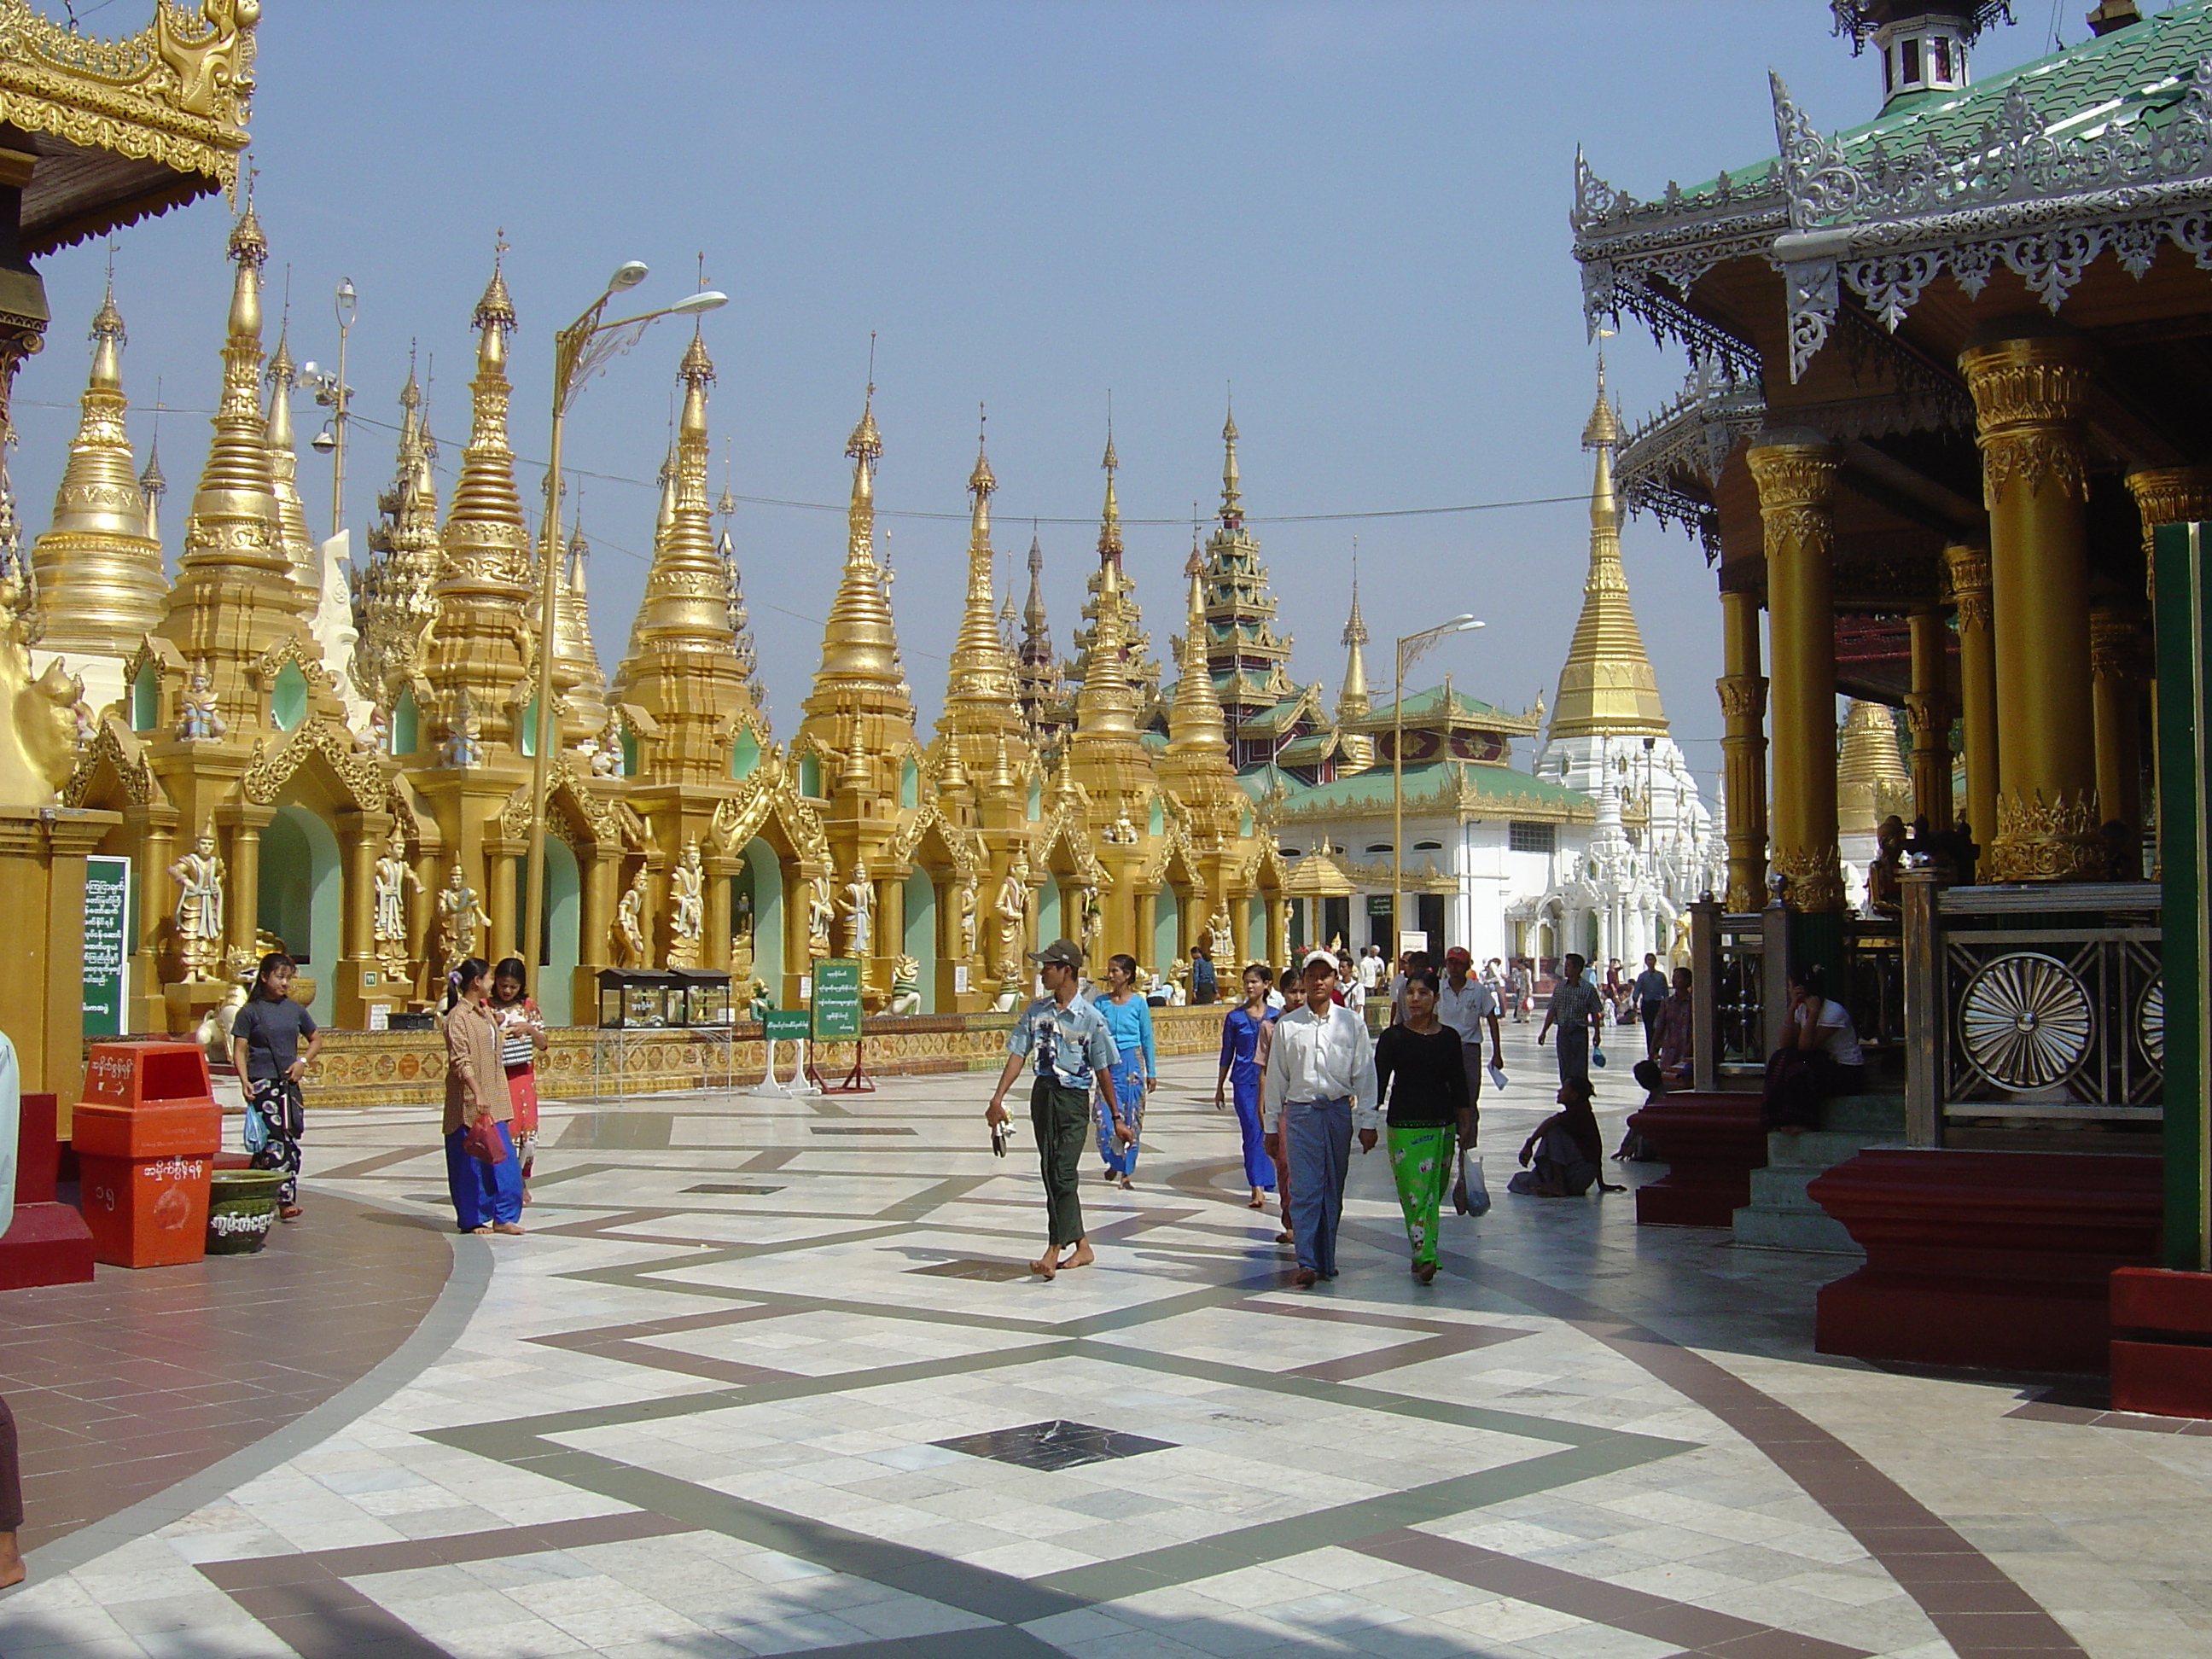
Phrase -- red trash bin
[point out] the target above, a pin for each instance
(146, 1134)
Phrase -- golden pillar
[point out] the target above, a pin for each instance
(244, 909)
(891, 927)
(2169, 494)
(1240, 937)
(1140, 947)
(2028, 393)
(1966, 573)
(2115, 676)
(1796, 472)
(1743, 746)
(499, 901)
(1928, 708)
(718, 872)
(156, 825)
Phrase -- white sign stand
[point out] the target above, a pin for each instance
(798, 1085)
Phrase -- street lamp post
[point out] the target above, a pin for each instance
(1410, 649)
(580, 351)
(332, 392)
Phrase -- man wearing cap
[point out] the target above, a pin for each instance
(1074, 1053)
(1321, 1078)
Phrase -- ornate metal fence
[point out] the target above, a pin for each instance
(2033, 1007)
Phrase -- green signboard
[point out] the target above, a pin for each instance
(1379, 905)
(107, 942)
(837, 997)
(786, 1025)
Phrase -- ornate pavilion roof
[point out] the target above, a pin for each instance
(1473, 787)
(2106, 144)
(126, 128)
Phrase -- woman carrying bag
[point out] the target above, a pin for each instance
(482, 1171)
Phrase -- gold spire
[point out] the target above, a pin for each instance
(396, 600)
(1352, 701)
(99, 569)
(480, 646)
(1606, 687)
(683, 668)
(1135, 664)
(284, 467)
(1232, 501)
(577, 678)
(1044, 690)
(1106, 706)
(980, 695)
(1195, 728)
(1109, 516)
(234, 597)
(859, 642)
(1871, 778)
(1248, 660)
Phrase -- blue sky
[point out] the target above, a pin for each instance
(1356, 214)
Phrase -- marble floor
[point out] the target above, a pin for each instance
(765, 1376)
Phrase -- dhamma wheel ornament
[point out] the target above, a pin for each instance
(2025, 1021)
(2150, 1021)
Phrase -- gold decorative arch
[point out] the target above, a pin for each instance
(112, 770)
(324, 746)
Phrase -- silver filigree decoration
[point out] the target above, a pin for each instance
(2025, 1021)
(1811, 286)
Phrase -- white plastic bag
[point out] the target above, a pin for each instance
(1473, 1189)
(1498, 1077)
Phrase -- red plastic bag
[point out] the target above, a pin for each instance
(483, 1142)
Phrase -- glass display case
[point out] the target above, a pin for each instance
(635, 999)
(704, 994)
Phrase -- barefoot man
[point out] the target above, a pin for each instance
(1074, 1054)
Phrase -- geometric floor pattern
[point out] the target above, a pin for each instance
(746, 1388)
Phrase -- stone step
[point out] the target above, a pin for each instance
(1817, 1233)
(1817, 1149)
(1781, 1216)
(1882, 1114)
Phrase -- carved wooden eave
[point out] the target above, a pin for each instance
(124, 128)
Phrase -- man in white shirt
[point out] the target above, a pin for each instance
(1463, 1003)
(1371, 969)
(1321, 1079)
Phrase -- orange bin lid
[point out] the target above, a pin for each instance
(136, 1074)
(181, 1129)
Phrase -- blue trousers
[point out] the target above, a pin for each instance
(1245, 1092)
(1128, 1084)
(1318, 1134)
(483, 1194)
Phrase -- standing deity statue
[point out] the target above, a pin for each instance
(741, 923)
(391, 882)
(1090, 918)
(687, 904)
(964, 911)
(197, 720)
(460, 915)
(629, 921)
(1012, 907)
(820, 913)
(199, 913)
(859, 901)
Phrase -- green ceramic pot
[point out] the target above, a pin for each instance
(241, 1209)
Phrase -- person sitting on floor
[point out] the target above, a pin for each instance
(1819, 1057)
(1567, 1148)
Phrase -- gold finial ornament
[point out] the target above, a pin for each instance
(98, 568)
(581, 683)
(1606, 687)
(284, 467)
(397, 594)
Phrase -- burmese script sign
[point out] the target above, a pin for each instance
(107, 942)
(837, 998)
(786, 1024)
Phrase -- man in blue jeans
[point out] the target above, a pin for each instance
(1321, 1072)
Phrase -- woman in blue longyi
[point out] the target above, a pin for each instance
(1135, 1074)
(1240, 1066)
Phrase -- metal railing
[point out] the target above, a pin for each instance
(2033, 1009)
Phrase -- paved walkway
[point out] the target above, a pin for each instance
(767, 1377)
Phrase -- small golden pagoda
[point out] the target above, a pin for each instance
(99, 566)
(394, 598)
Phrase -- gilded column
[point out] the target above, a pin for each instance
(499, 902)
(364, 839)
(1966, 573)
(156, 825)
(1147, 929)
(1796, 472)
(1928, 708)
(1743, 746)
(2169, 494)
(718, 872)
(2028, 393)
(890, 926)
(2116, 675)
(245, 911)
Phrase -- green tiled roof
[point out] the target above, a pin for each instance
(1427, 709)
(2135, 73)
(1369, 791)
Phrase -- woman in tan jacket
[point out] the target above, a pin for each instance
(487, 1197)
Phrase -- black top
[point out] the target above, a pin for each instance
(1431, 1077)
(272, 1031)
